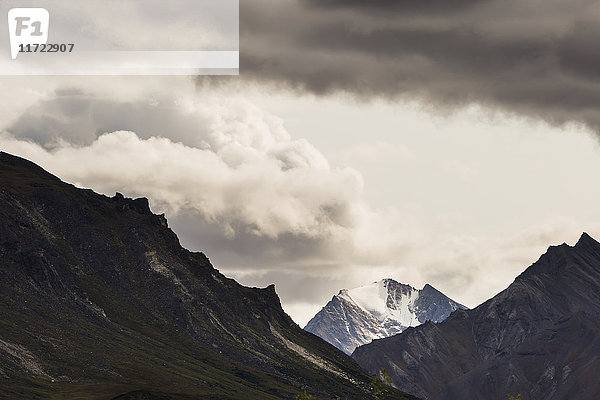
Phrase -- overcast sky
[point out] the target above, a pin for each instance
(430, 144)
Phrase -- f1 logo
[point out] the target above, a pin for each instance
(27, 26)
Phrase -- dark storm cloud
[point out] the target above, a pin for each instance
(406, 6)
(534, 58)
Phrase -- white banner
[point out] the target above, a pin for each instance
(119, 37)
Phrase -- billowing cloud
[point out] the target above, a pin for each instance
(535, 58)
(301, 224)
(234, 183)
(265, 206)
(227, 172)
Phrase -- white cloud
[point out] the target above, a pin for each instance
(267, 207)
(236, 184)
(225, 161)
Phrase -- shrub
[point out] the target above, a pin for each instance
(304, 396)
(379, 385)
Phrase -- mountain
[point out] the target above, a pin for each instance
(539, 338)
(384, 308)
(98, 300)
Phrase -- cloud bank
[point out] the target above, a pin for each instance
(534, 58)
(238, 178)
(264, 206)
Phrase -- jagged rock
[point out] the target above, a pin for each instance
(540, 338)
(384, 308)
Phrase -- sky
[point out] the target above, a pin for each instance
(362, 140)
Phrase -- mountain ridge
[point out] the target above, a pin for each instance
(100, 301)
(520, 341)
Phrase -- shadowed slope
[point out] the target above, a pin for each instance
(98, 299)
(540, 337)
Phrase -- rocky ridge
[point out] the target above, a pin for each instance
(384, 308)
(539, 338)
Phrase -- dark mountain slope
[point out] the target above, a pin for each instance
(98, 299)
(540, 337)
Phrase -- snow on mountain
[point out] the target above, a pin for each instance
(539, 337)
(381, 309)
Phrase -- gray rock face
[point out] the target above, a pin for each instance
(540, 337)
(384, 308)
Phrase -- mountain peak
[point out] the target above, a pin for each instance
(379, 309)
(586, 241)
(558, 257)
(428, 287)
(520, 341)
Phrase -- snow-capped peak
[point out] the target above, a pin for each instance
(380, 309)
(387, 299)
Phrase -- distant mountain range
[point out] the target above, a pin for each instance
(384, 308)
(98, 300)
(539, 338)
